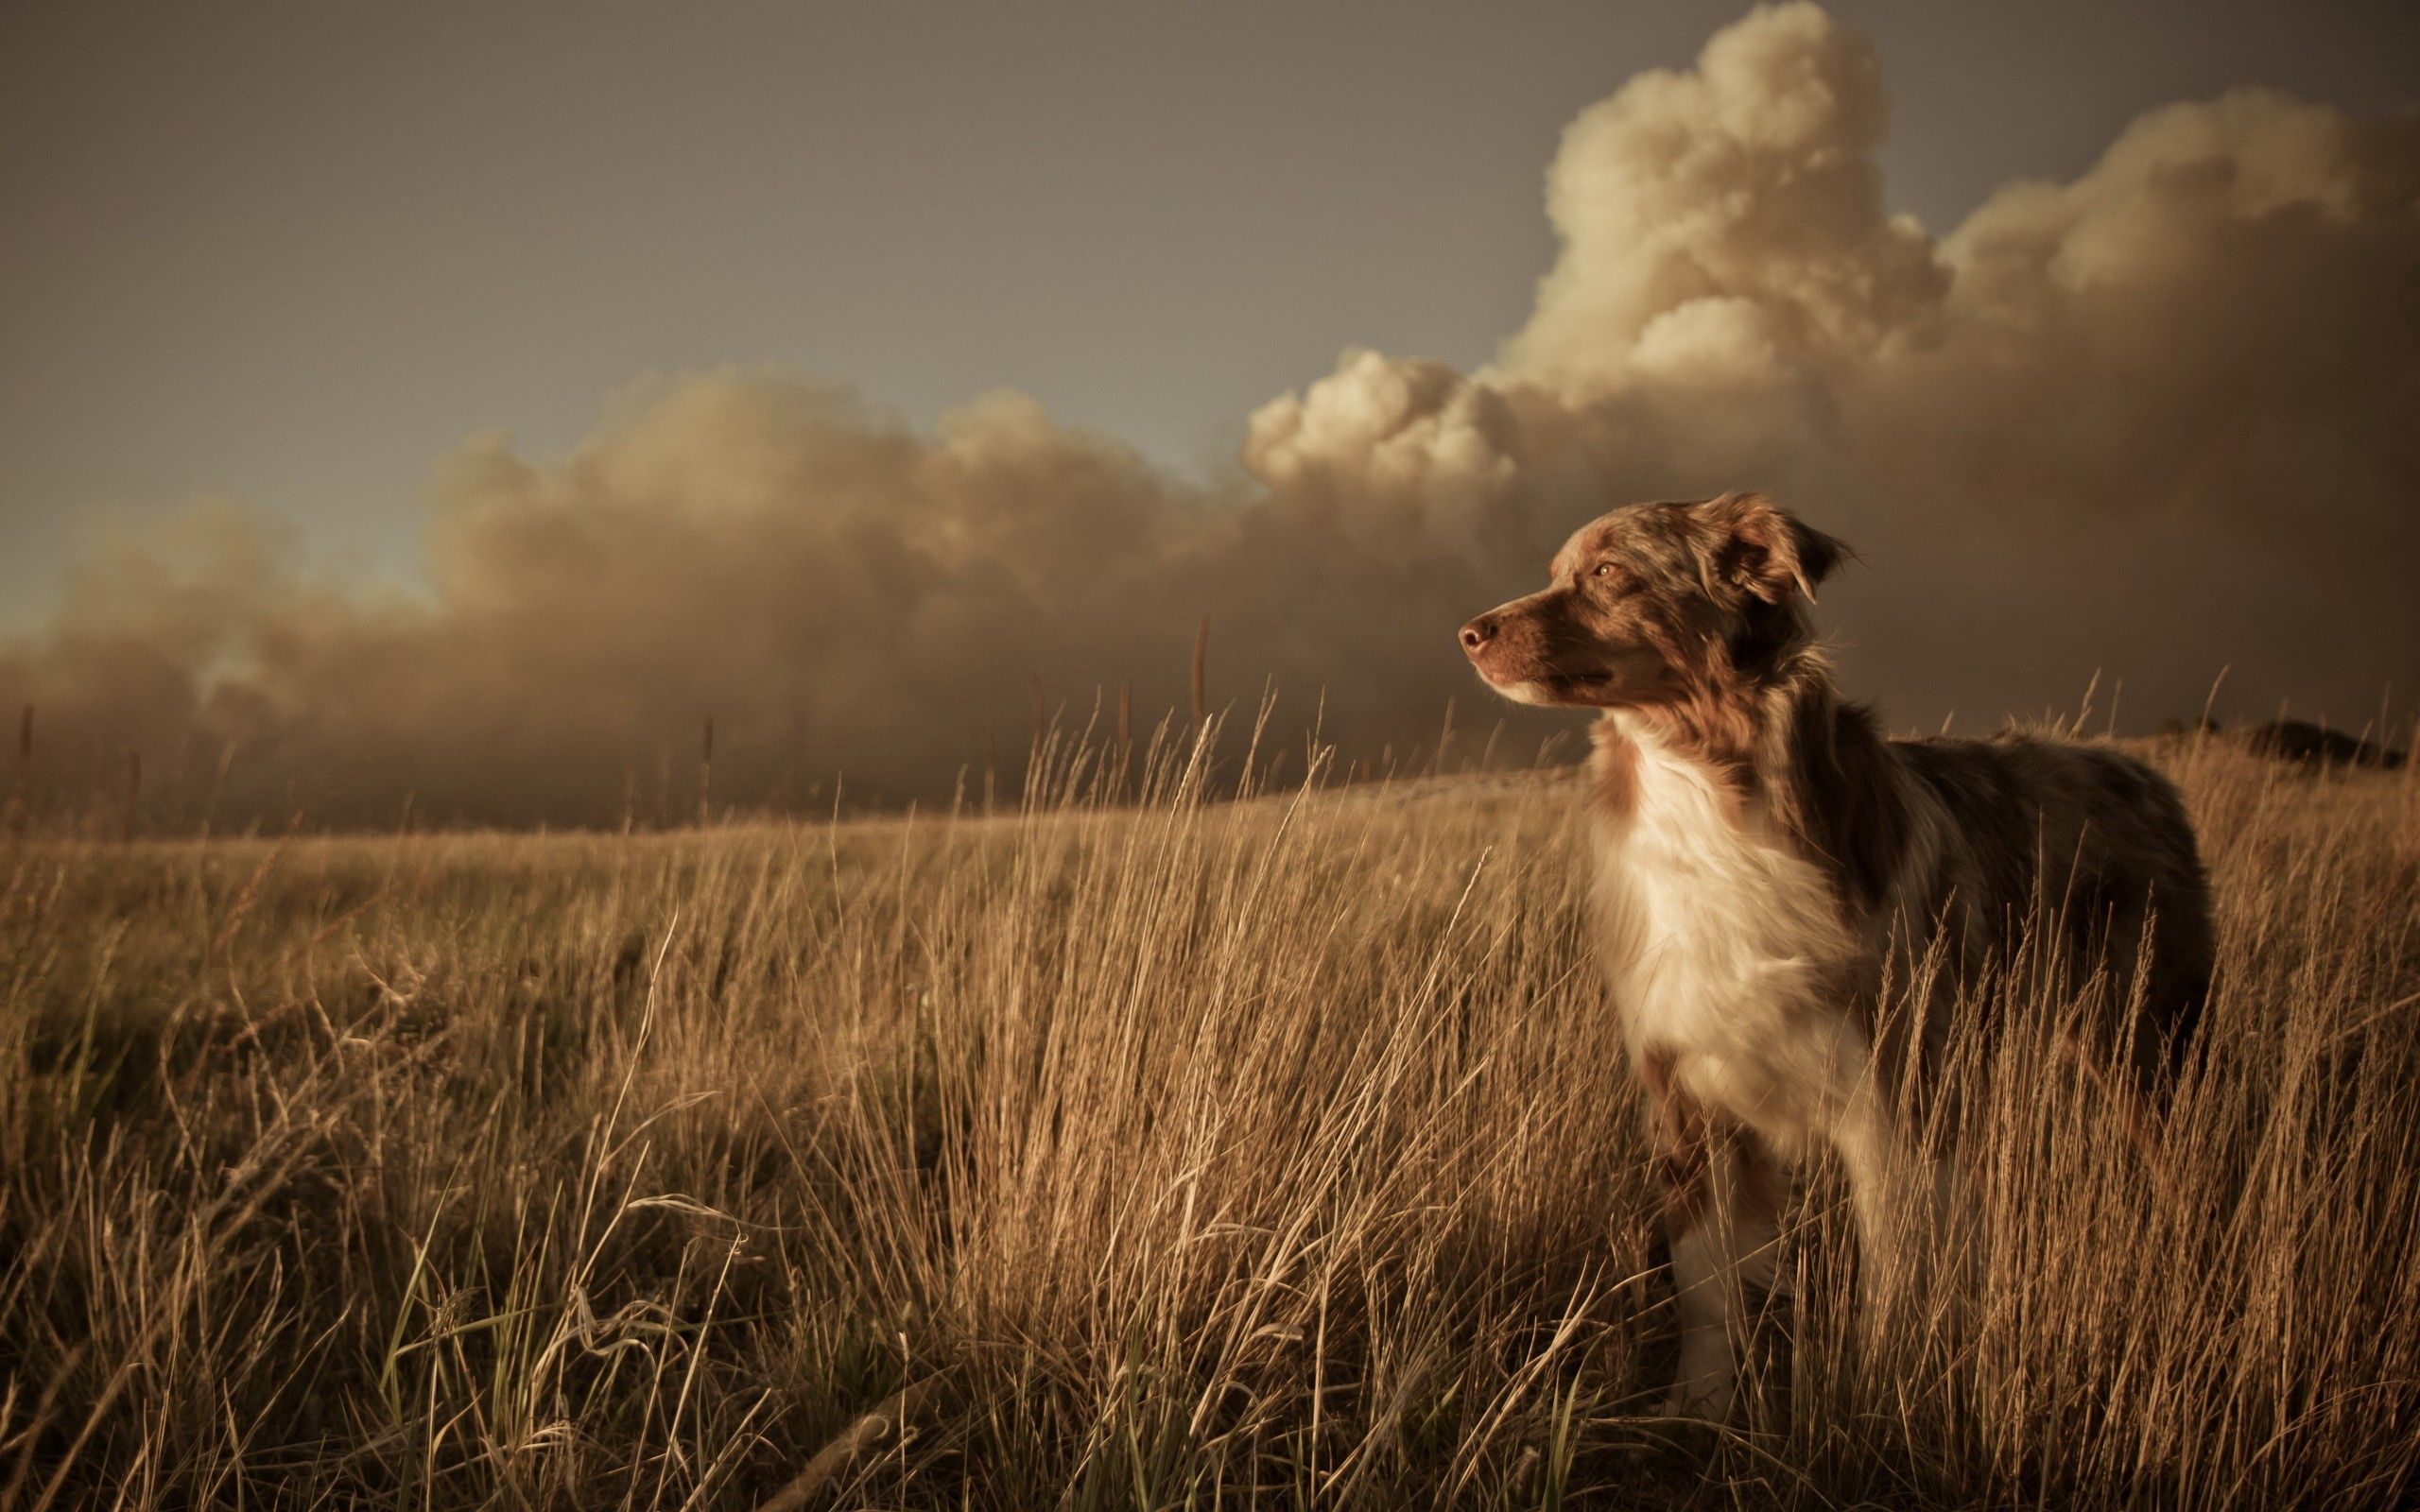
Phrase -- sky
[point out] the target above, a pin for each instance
(307, 259)
(293, 253)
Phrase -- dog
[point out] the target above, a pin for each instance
(1797, 916)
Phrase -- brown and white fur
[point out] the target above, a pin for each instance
(1771, 875)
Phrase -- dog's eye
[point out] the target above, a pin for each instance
(1603, 569)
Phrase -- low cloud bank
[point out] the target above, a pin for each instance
(2153, 422)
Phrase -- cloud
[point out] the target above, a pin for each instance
(2156, 422)
(1727, 219)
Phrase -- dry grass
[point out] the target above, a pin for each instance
(1171, 1154)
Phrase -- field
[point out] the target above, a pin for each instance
(1130, 1150)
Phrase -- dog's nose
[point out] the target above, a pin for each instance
(1478, 633)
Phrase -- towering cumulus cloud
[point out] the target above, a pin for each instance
(2153, 422)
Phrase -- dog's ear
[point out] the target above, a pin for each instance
(1766, 550)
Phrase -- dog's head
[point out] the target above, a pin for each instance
(1653, 601)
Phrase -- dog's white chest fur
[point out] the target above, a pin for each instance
(1719, 941)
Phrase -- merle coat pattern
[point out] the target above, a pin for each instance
(1797, 916)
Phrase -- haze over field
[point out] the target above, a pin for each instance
(2154, 421)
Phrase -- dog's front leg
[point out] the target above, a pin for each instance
(1722, 1215)
(1896, 1195)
